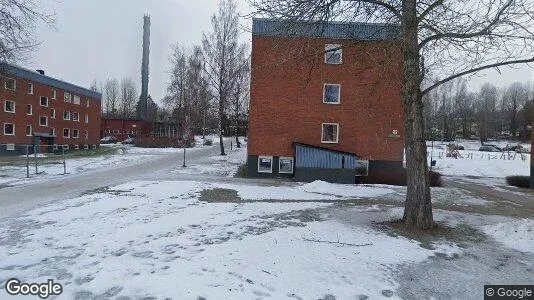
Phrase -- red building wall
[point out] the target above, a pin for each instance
(122, 128)
(22, 98)
(287, 97)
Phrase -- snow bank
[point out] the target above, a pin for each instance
(517, 235)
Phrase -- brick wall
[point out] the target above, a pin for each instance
(287, 97)
(21, 119)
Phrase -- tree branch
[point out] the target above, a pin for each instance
(474, 70)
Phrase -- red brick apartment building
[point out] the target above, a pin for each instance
(41, 110)
(325, 100)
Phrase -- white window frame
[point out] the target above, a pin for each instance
(327, 51)
(69, 115)
(14, 84)
(54, 94)
(10, 147)
(86, 134)
(41, 101)
(14, 106)
(52, 131)
(77, 135)
(31, 130)
(46, 124)
(292, 164)
(66, 136)
(76, 100)
(272, 161)
(338, 93)
(12, 124)
(75, 114)
(337, 133)
(31, 110)
(67, 97)
(86, 119)
(30, 88)
(87, 105)
(52, 113)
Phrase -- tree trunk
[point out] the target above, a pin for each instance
(418, 206)
(221, 114)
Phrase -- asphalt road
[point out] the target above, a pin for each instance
(18, 199)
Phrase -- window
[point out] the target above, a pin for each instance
(332, 93)
(330, 133)
(265, 164)
(28, 130)
(333, 54)
(9, 106)
(9, 129)
(66, 115)
(67, 97)
(10, 84)
(43, 121)
(75, 133)
(66, 133)
(44, 101)
(362, 167)
(53, 113)
(86, 134)
(54, 94)
(30, 88)
(10, 147)
(53, 131)
(86, 118)
(29, 109)
(87, 103)
(76, 100)
(76, 117)
(286, 165)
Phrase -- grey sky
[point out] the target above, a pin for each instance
(99, 39)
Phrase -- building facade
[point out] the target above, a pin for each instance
(44, 111)
(325, 100)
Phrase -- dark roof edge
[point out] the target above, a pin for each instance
(47, 80)
(325, 29)
(323, 148)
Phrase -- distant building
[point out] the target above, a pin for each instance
(44, 111)
(325, 100)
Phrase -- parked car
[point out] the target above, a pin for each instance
(108, 140)
(489, 148)
(129, 141)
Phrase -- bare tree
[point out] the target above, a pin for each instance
(515, 97)
(18, 20)
(223, 57)
(128, 99)
(445, 39)
(111, 95)
(239, 98)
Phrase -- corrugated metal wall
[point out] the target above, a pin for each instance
(311, 157)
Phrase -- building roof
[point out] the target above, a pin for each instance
(47, 80)
(333, 30)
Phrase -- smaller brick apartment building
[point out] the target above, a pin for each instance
(325, 100)
(41, 110)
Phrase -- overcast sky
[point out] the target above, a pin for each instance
(100, 39)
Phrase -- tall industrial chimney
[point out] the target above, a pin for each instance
(144, 69)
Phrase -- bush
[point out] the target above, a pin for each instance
(207, 142)
(397, 177)
(242, 172)
(518, 181)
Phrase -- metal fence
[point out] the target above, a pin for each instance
(477, 155)
(33, 158)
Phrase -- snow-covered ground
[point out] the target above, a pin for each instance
(517, 234)
(219, 165)
(125, 155)
(479, 164)
(157, 239)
